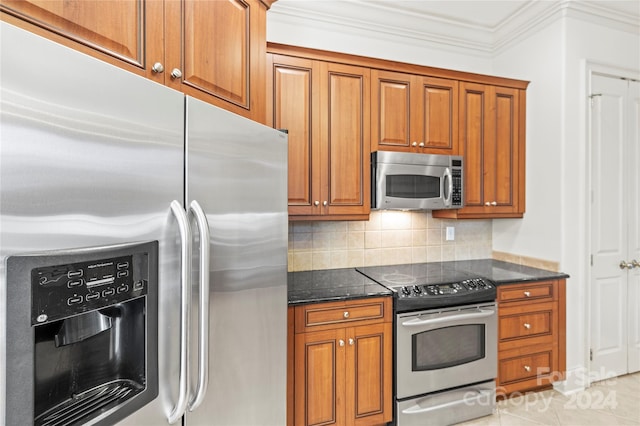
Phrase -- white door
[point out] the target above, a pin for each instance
(615, 235)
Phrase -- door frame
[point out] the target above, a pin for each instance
(590, 68)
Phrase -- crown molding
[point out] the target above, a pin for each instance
(382, 21)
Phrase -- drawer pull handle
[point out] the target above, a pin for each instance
(341, 342)
(346, 314)
(527, 294)
(527, 325)
(527, 368)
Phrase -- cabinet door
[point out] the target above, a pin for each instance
(319, 379)
(491, 129)
(392, 110)
(437, 123)
(345, 143)
(127, 33)
(369, 374)
(294, 106)
(219, 51)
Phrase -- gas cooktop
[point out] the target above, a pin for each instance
(431, 285)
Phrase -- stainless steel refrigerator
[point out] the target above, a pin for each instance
(93, 156)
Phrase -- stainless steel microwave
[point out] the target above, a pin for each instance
(408, 181)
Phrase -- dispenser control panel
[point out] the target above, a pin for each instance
(63, 290)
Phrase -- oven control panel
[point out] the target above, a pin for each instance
(473, 285)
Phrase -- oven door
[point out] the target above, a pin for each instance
(444, 348)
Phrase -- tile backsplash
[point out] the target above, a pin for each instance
(389, 237)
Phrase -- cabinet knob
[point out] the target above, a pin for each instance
(494, 203)
(351, 342)
(324, 203)
(176, 73)
(487, 204)
(421, 144)
(635, 263)
(341, 342)
(527, 368)
(527, 325)
(414, 144)
(527, 294)
(629, 265)
(346, 314)
(157, 68)
(316, 203)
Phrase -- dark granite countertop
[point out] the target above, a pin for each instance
(344, 284)
(331, 285)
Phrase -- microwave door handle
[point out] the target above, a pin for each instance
(203, 317)
(448, 182)
(185, 311)
(483, 313)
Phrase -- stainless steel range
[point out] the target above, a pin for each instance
(445, 342)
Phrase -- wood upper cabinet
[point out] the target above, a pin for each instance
(414, 113)
(342, 364)
(325, 108)
(491, 129)
(211, 50)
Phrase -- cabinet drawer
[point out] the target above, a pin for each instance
(540, 292)
(323, 316)
(526, 325)
(526, 366)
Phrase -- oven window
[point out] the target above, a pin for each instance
(448, 347)
(413, 186)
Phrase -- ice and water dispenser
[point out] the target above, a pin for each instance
(81, 334)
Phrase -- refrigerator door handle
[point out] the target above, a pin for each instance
(185, 291)
(203, 338)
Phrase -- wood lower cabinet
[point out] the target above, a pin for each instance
(211, 50)
(492, 141)
(414, 113)
(341, 365)
(531, 335)
(324, 107)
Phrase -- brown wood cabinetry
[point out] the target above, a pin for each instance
(414, 113)
(340, 367)
(491, 130)
(211, 50)
(324, 106)
(531, 335)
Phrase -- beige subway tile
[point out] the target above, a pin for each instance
(356, 225)
(434, 253)
(419, 220)
(290, 262)
(355, 240)
(462, 252)
(303, 241)
(419, 254)
(338, 240)
(392, 256)
(375, 219)
(355, 258)
(302, 226)
(372, 239)
(433, 223)
(339, 259)
(302, 261)
(321, 241)
(392, 219)
(434, 237)
(419, 237)
(372, 257)
(395, 238)
(448, 252)
(321, 260)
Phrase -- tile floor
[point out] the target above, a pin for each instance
(611, 402)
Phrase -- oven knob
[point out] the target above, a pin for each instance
(417, 290)
(406, 291)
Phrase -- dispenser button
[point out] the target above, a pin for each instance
(92, 296)
(75, 274)
(122, 289)
(74, 300)
(108, 292)
(75, 283)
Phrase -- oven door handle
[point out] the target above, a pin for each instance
(483, 313)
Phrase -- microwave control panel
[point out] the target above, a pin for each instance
(63, 290)
(456, 195)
